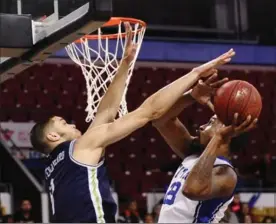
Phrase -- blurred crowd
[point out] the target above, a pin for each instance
(237, 212)
(22, 215)
(133, 215)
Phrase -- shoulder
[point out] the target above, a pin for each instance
(226, 177)
(222, 161)
(224, 170)
(223, 166)
(85, 156)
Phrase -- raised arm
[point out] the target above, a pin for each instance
(204, 181)
(110, 103)
(171, 128)
(96, 139)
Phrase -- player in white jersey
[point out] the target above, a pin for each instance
(203, 185)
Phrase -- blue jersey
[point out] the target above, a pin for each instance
(78, 192)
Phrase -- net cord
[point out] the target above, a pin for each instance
(105, 63)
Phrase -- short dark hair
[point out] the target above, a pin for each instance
(37, 136)
(236, 145)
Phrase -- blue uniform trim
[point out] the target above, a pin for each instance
(197, 211)
(207, 210)
(217, 209)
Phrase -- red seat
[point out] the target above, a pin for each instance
(7, 100)
(11, 86)
(81, 101)
(18, 115)
(202, 115)
(135, 168)
(65, 101)
(127, 185)
(113, 163)
(151, 161)
(74, 73)
(237, 159)
(165, 180)
(32, 86)
(51, 86)
(39, 115)
(237, 74)
(25, 100)
(78, 117)
(70, 87)
(174, 74)
(44, 101)
(149, 182)
(3, 115)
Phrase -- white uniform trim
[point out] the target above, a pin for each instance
(95, 194)
(197, 211)
(219, 213)
(71, 148)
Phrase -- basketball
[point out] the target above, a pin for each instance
(237, 97)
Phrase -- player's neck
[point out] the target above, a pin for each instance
(54, 145)
(224, 151)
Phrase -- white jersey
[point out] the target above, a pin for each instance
(177, 208)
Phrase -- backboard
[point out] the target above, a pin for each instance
(49, 25)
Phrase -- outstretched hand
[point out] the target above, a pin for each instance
(234, 130)
(130, 46)
(204, 90)
(209, 68)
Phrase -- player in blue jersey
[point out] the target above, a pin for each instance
(203, 186)
(76, 175)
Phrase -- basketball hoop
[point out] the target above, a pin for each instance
(99, 57)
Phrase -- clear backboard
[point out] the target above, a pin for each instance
(50, 25)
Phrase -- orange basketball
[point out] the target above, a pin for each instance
(237, 97)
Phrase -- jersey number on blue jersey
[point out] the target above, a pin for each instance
(171, 194)
(51, 190)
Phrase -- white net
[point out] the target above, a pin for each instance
(99, 60)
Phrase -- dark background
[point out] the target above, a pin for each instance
(176, 18)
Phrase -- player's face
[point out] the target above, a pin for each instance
(61, 129)
(207, 131)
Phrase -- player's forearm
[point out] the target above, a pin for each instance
(113, 95)
(110, 103)
(160, 102)
(185, 101)
(199, 180)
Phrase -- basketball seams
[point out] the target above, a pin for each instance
(230, 99)
(248, 101)
(257, 104)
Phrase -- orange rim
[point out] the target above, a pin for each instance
(113, 22)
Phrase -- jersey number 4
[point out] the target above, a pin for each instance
(51, 190)
(171, 193)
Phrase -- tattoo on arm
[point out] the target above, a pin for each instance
(202, 171)
(200, 176)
